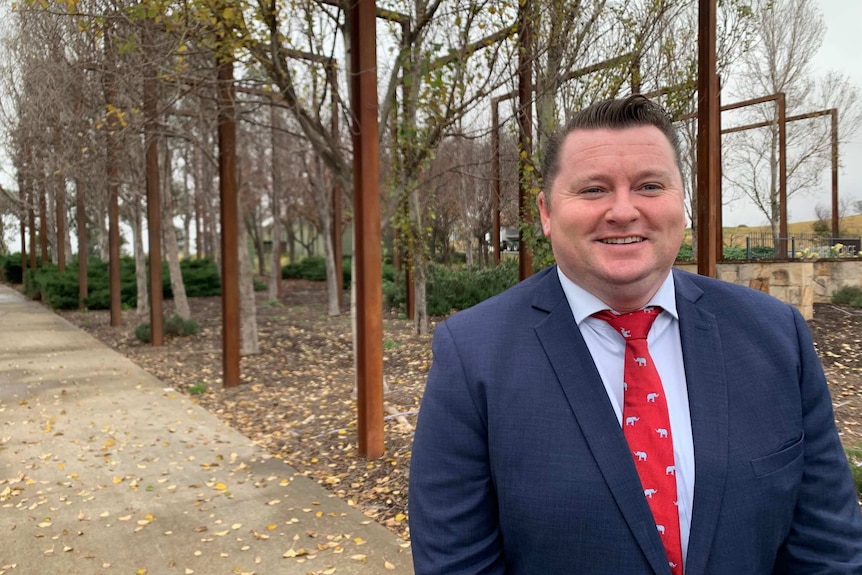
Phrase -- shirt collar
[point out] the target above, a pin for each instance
(584, 304)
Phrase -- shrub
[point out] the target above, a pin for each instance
(313, 268)
(198, 388)
(11, 270)
(847, 295)
(60, 290)
(291, 271)
(685, 252)
(143, 332)
(451, 289)
(200, 278)
(177, 326)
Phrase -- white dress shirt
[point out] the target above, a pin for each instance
(607, 347)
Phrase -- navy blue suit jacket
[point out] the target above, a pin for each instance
(520, 466)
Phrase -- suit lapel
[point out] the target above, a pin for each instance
(708, 405)
(582, 385)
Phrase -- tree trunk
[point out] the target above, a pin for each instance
(143, 302)
(181, 303)
(81, 224)
(275, 166)
(419, 281)
(324, 210)
(248, 313)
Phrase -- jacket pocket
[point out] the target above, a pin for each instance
(779, 460)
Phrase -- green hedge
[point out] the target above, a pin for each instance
(452, 289)
(60, 291)
(848, 295)
(313, 268)
(686, 253)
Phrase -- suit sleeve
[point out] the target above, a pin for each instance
(826, 533)
(453, 515)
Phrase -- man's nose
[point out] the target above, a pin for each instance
(622, 207)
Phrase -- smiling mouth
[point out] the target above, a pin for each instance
(628, 240)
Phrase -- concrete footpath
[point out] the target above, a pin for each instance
(104, 470)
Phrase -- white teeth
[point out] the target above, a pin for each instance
(628, 240)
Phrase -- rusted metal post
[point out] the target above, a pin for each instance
(836, 231)
(525, 134)
(369, 322)
(230, 304)
(154, 214)
(782, 176)
(707, 160)
(495, 179)
(718, 208)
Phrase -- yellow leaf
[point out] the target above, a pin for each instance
(361, 558)
(389, 565)
(220, 486)
(271, 527)
(141, 572)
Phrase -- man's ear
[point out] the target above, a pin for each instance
(545, 213)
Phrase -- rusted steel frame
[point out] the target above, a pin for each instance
(707, 159)
(229, 223)
(154, 214)
(782, 146)
(833, 112)
(369, 322)
(717, 205)
(525, 132)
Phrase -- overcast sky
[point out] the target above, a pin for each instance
(839, 53)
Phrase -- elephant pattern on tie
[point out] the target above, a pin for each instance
(647, 429)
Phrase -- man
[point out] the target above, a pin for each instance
(521, 460)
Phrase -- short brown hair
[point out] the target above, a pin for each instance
(630, 112)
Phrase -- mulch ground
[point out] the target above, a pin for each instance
(298, 395)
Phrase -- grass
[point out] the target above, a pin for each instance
(735, 235)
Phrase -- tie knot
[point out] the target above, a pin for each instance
(634, 325)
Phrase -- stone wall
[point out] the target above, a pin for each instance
(797, 282)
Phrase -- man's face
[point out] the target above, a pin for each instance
(615, 214)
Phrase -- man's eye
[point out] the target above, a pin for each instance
(590, 191)
(651, 187)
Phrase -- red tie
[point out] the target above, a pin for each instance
(646, 427)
